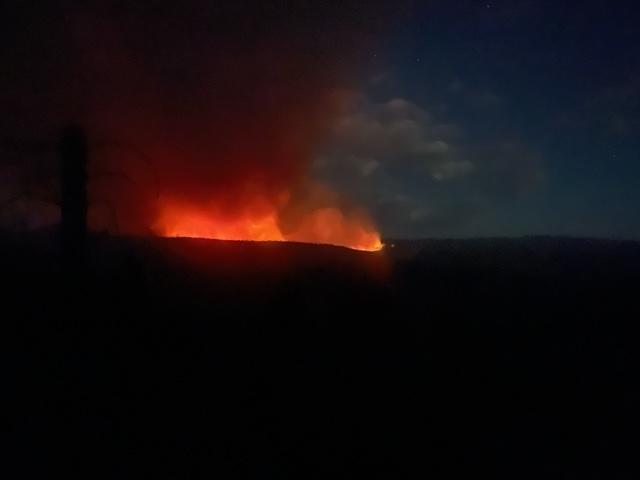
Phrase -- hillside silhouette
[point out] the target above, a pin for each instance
(186, 358)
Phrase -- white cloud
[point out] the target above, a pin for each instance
(398, 131)
(369, 167)
(449, 170)
(421, 176)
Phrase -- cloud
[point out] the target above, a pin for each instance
(369, 167)
(397, 134)
(419, 174)
(452, 170)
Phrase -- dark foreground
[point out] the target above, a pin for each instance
(183, 359)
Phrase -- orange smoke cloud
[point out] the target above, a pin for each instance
(229, 101)
(260, 221)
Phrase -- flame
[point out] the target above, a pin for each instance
(261, 222)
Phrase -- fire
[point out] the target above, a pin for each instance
(330, 226)
(261, 222)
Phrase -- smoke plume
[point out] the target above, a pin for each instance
(209, 108)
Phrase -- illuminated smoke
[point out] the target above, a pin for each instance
(218, 110)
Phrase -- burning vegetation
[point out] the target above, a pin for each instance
(260, 222)
(228, 101)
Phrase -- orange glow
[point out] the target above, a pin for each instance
(261, 223)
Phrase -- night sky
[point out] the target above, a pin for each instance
(502, 118)
(451, 119)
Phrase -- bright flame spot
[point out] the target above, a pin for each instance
(324, 226)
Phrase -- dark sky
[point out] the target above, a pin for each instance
(450, 118)
(508, 117)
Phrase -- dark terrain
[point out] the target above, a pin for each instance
(498, 358)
